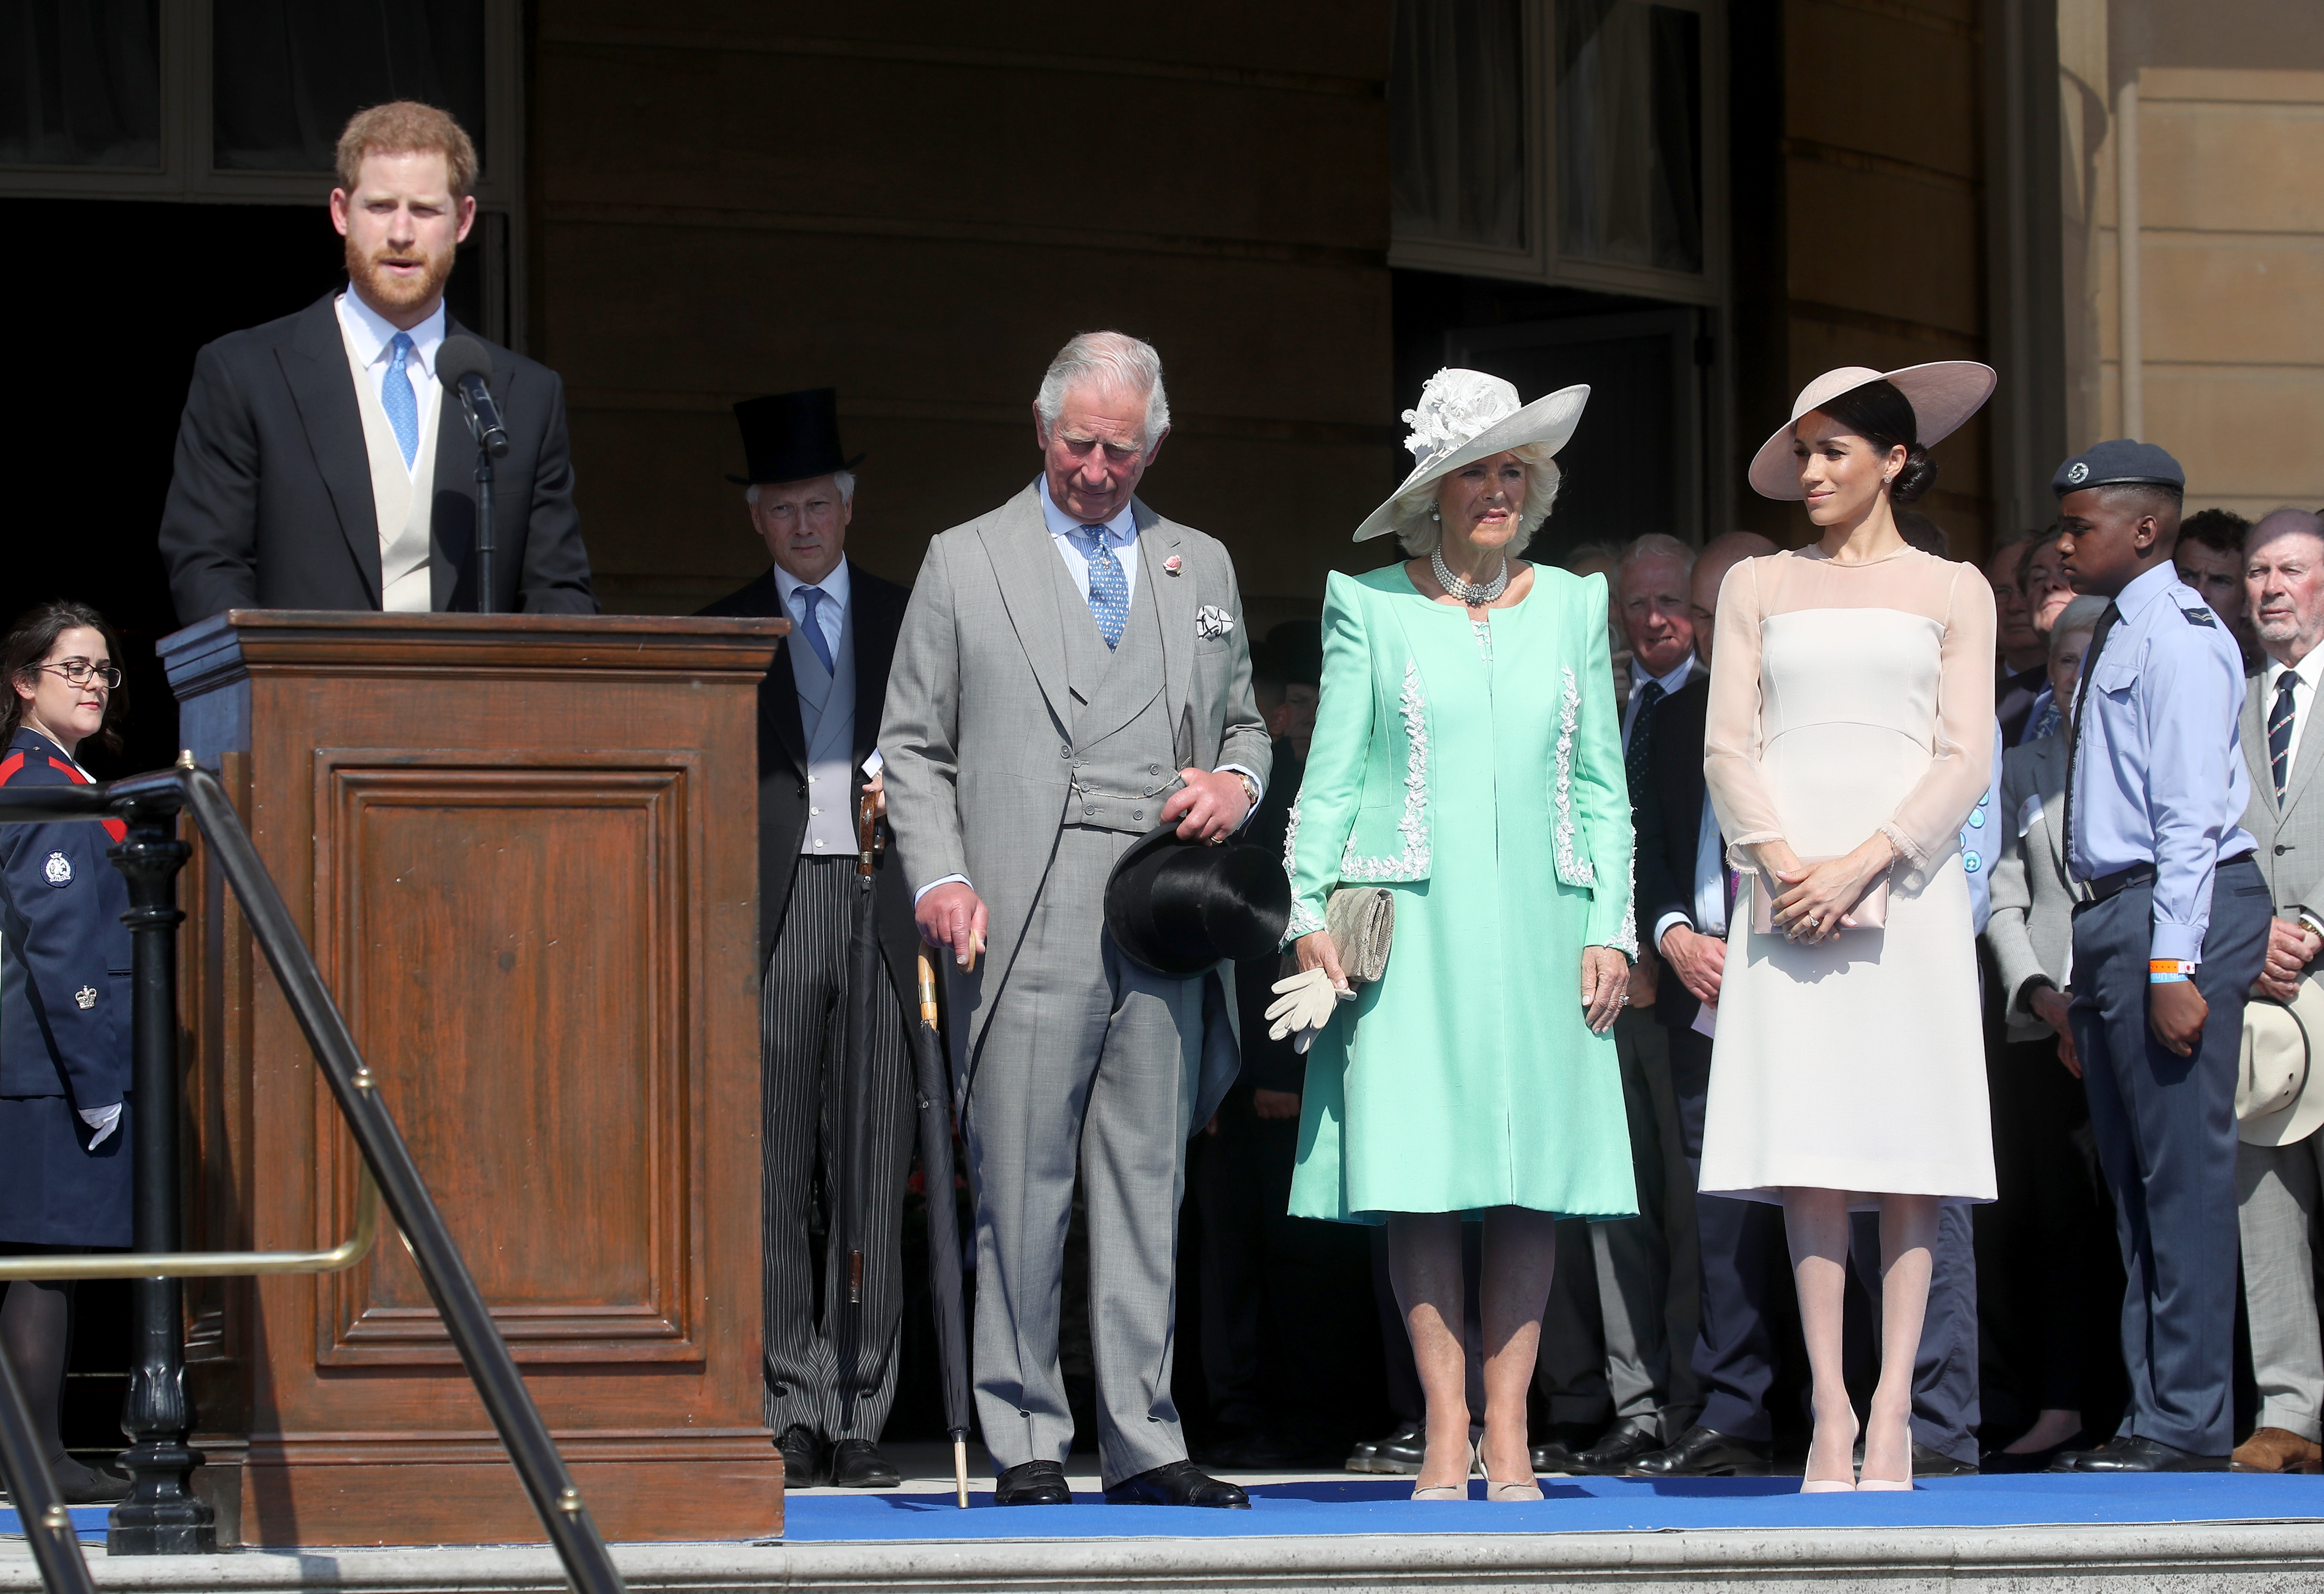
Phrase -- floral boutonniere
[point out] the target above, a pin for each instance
(1174, 564)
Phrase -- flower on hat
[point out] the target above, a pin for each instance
(1174, 564)
(1455, 407)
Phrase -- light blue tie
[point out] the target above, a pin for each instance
(810, 598)
(396, 397)
(1109, 587)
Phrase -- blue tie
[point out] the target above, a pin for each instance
(1109, 587)
(810, 598)
(2279, 731)
(395, 397)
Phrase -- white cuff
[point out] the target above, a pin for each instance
(103, 1120)
(949, 879)
(1662, 925)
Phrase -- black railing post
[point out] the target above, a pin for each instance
(162, 1517)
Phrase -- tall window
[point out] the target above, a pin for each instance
(1561, 141)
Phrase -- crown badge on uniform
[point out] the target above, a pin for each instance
(85, 998)
(58, 869)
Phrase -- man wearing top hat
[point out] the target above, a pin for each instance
(828, 1392)
(2172, 933)
(1073, 673)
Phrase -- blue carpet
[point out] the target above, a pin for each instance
(1582, 1505)
(88, 1521)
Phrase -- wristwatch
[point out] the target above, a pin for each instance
(1249, 789)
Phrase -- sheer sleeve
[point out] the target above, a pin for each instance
(1730, 732)
(1960, 744)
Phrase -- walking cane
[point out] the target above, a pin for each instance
(944, 1235)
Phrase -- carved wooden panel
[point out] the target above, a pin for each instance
(509, 934)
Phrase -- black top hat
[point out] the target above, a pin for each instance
(1178, 907)
(791, 436)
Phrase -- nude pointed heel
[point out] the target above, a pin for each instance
(1447, 1491)
(1511, 1493)
(1875, 1485)
(1826, 1486)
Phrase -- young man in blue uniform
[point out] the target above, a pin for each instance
(2173, 934)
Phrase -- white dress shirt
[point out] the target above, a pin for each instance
(1670, 683)
(830, 614)
(370, 334)
(1120, 534)
(2304, 699)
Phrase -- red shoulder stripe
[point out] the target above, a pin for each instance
(117, 829)
(9, 766)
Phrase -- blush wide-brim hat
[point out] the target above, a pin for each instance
(1943, 393)
(1465, 416)
(2274, 1104)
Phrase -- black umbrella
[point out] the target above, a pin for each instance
(854, 1180)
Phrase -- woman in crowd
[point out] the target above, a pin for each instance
(2054, 1226)
(1467, 757)
(1850, 732)
(64, 1008)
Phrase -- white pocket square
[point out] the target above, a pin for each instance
(1211, 620)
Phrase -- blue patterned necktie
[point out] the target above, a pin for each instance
(396, 397)
(1109, 587)
(811, 600)
(2279, 732)
(1642, 738)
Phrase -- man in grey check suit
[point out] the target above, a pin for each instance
(1072, 671)
(2279, 1187)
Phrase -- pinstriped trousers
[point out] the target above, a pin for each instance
(820, 1374)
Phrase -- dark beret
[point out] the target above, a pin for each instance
(2118, 463)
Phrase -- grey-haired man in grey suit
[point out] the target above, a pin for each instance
(1072, 672)
(2280, 1189)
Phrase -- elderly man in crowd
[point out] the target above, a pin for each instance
(2045, 591)
(2024, 661)
(1073, 672)
(2209, 559)
(1632, 1376)
(2280, 1161)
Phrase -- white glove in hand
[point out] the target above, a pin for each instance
(1303, 1005)
(103, 1120)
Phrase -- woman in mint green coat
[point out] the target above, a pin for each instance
(1467, 755)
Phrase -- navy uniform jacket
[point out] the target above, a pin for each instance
(64, 967)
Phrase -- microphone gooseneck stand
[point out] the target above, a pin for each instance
(485, 588)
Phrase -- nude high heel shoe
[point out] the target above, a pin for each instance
(1447, 1491)
(1525, 1489)
(1830, 1486)
(1868, 1484)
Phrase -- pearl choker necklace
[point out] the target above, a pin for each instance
(1475, 594)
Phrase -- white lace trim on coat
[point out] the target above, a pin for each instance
(1412, 864)
(1305, 920)
(1572, 870)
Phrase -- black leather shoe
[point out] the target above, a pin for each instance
(857, 1463)
(1558, 1452)
(807, 1464)
(1179, 1483)
(2136, 1455)
(1630, 1439)
(1704, 1453)
(1935, 1463)
(1034, 1483)
(88, 1486)
(1399, 1452)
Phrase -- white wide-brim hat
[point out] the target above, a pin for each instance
(1465, 416)
(1942, 394)
(2273, 1105)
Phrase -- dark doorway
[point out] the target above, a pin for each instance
(130, 290)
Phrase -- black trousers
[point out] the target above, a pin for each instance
(2166, 1136)
(1743, 1257)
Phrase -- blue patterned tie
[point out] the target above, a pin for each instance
(396, 397)
(1109, 588)
(2279, 732)
(811, 598)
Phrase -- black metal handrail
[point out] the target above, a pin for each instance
(151, 857)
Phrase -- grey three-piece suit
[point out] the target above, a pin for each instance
(1024, 755)
(2279, 1189)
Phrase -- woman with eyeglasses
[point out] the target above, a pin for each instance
(64, 1008)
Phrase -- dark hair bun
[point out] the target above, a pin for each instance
(1918, 477)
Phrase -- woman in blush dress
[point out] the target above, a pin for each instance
(1850, 733)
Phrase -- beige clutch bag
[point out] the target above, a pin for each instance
(1870, 912)
(1362, 920)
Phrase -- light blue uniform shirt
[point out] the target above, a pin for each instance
(2158, 777)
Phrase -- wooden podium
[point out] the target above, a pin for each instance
(523, 848)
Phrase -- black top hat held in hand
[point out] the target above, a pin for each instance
(1178, 908)
(791, 436)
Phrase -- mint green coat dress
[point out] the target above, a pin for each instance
(1482, 783)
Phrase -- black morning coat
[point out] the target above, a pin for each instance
(877, 615)
(64, 967)
(270, 504)
(1668, 824)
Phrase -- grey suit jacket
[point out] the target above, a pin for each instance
(2032, 930)
(977, 734)
(2291, 835)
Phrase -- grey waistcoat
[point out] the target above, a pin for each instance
(1125, 763)
(827, 715)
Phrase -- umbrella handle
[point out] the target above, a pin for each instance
(928, 977)
(960, 1467)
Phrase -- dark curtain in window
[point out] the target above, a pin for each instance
(80, 83)
(1456, 105)
(288, 73)
(1630, 134)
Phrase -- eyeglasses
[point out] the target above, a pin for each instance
(77, 671)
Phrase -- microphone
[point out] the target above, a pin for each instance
(462, 364)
